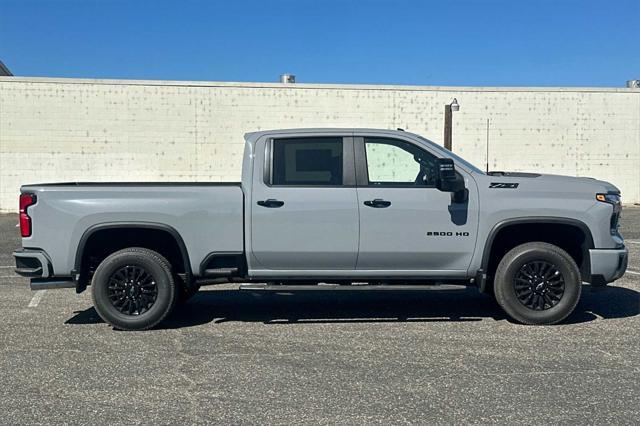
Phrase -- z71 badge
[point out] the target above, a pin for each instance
(503, 185)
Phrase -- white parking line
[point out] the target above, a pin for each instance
(36, 298)
(10, 276)
(632, 242)
(6, 267)
(633, 272)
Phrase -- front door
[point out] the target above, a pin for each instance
(406, 224)
(304, 212)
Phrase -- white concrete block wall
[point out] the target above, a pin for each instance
(106, 130)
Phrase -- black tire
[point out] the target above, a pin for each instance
(133, 289)
(537, 283)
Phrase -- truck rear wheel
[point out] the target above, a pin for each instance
(133, 289)
(537, 283)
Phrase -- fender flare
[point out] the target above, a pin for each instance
(141, 225)
(488, 245)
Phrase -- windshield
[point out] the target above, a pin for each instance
(456, 158)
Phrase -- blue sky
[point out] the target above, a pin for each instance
(455, 42)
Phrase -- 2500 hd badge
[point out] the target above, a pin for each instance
(446, 234)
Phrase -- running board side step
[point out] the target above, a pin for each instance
(352, 287)
(48, 284)
(220, 272)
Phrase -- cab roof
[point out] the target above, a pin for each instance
(253, 136)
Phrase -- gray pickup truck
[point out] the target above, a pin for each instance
(338, 206)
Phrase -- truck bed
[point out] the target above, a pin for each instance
(208, 216)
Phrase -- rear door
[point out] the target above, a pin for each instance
(406, 224)
(304, 212)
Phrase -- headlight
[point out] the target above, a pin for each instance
(609, 198)
(614, 200)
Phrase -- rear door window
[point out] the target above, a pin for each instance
(307, 162)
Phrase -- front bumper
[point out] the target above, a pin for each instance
(607, 265)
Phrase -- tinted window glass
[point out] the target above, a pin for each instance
(307, 161)
(393, 162)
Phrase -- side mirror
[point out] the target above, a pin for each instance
(447, 178)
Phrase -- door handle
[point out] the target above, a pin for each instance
(378, 203)
(271, 203)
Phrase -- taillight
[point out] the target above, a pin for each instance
(26, 200)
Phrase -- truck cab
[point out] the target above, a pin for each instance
(356, 205)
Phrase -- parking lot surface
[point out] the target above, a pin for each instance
(320, 357)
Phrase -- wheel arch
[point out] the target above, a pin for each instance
(532, 223)
(151, 226)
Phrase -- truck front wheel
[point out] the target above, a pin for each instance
(537, 283)
(133, 289)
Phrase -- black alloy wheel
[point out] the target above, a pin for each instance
(539, 285)
(132, 290)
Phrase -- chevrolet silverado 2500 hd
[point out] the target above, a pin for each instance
(337, 206)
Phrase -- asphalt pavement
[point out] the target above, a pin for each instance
(319, 357)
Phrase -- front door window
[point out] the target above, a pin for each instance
(395, 163)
